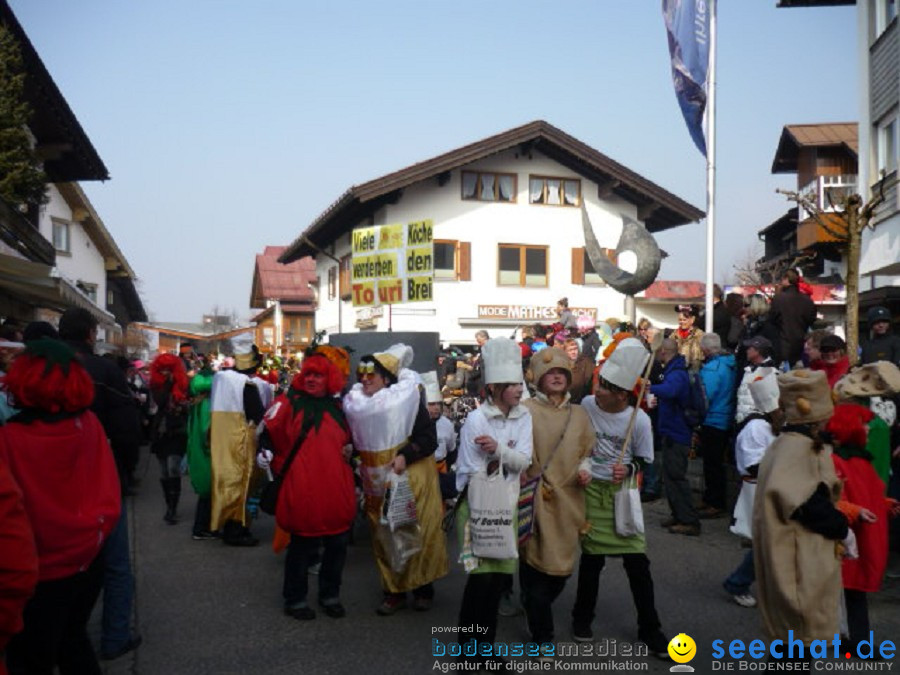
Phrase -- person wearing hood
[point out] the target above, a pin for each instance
(392, 431)
(833, 359)
(717, 374)
(672, 395)
(317, 500)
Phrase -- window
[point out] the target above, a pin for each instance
(110, 298)
(489, 187)
(452, 260)
(885, 12)
(554, 191)
(88, 289)
(583, 270)
(521, 265)
(886, 145)
(344, 283)
(332, 283)
(61, 241)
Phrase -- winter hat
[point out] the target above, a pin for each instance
(432, 389)
(764, 390)
(547, 360)
(876, 314)
(881, 378)
(805, 396)
(625, 364)
(502, 361)
(585, 322)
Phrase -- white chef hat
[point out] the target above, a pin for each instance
(626, 364)
(502, 361)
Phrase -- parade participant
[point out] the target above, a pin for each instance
(392, 431)
(445, 454)
(57, 452)
(881, 345)
(198, 451)
(610, 411)
(833, 359)
(317, 500)
(759, 363)
(168, 436)
(864, 503)
(675, 437)
(687, 335)
(562, 443)
(758, 433)
(717, 374)
(236, 408)
(19, 563)
(499, 431)
(795, 523)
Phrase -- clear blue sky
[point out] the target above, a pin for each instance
(228, 126)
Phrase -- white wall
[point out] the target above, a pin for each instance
(486, 225)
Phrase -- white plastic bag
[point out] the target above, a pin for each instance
(399, 502)
(492, 505)
(627, 508)
(742, 520)
(401, 544)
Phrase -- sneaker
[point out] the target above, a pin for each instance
(744, 599)
(581, 632)
(508, 605)
(301, 612)
(130, 646)
(687, 530)
(657, 643)
(391, 604)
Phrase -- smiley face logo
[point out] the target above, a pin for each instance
(682, 648)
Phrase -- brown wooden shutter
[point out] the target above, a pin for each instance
(465, 261)
(578, 266)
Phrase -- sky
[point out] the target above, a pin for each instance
(229, 125)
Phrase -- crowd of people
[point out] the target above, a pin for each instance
(563, 433)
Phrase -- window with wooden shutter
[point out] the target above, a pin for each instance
(465, 260)
(578, 265)
(344, 281)
(332, 283)
(583, 271)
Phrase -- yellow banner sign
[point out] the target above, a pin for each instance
(392, 264)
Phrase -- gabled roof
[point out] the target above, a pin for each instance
(273, 280)
(66, 149)
(664, 209)
(794, 137)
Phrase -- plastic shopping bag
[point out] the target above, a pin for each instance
(742, 519)
(627, 508)
(492, 506)
(399, 502)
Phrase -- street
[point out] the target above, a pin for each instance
(203, 607)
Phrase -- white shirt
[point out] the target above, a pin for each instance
(513, 436)
(610, 430)
(751, 444)
(446, 437)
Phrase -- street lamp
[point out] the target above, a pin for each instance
(306, 240)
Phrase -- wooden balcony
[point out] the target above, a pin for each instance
(22, 236)
(810, 233)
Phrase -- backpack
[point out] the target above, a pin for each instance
(696, 405)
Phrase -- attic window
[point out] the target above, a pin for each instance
(554, 191)
(487, 186)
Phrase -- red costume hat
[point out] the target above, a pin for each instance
(169, 366)
(47, 376)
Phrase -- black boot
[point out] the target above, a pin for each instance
(172, 489)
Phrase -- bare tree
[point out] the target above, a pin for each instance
(751, 272)
(845, 223)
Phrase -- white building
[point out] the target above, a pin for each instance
(507, 229)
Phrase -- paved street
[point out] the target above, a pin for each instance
(203, 607)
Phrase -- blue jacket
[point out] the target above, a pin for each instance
(718, 375)
(673, 393)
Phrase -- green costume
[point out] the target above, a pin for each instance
(198, 433)
(879, 446)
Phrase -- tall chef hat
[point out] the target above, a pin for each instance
(764, 391)
(502, 361)
(432, 388)
(626, 364)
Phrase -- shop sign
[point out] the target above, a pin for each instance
(534, 313)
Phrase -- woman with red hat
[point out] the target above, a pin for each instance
(169, 387)
(57, 452)
(317, 499)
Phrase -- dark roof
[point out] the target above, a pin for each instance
(66, 149)
(796, 136)
(273, 280)
(130, 298)
(785, 223)
(360, 201)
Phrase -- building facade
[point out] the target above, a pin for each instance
(508, 237)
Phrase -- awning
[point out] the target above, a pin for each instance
(39, 285)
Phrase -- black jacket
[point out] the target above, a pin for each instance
(792, 313)
(882, 348)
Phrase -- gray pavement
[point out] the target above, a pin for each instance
(203, 607)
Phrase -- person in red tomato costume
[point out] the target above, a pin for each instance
(317, 500)
(867, 509)
(57, 452)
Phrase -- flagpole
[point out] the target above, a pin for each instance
(711, 167)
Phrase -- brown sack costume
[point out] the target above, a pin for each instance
(798, 571)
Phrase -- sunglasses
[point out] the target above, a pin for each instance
(365, 368)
